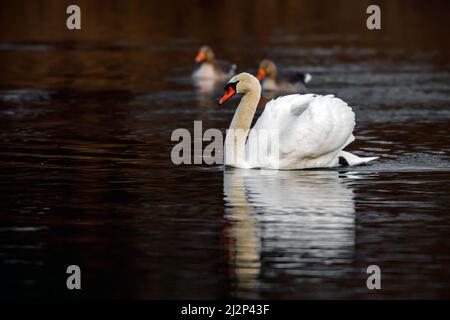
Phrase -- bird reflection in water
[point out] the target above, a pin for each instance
(278, 223)
(207, 87)
(207, 91)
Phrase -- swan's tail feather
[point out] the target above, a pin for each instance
(349, 159)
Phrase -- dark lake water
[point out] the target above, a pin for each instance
(86, 176)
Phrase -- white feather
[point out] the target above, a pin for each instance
(308, 77)
(312, 131)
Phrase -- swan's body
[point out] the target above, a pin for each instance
(288, 82)
(293, 132)
(210, 68)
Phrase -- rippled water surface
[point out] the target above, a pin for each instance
(86, 176)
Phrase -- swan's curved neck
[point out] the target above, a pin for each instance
(239, 129)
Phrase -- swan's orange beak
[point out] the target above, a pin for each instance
(261, 74)
(230, 92)
(201, 56)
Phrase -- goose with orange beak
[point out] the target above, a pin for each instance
(208, 67)
(288, 82)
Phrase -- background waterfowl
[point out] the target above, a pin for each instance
(272, 80)
(210, 68)
(312, 130)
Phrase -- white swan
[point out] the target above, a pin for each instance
(293, 132)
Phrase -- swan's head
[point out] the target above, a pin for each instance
(242, 83)
(205, 53)
(266, 69)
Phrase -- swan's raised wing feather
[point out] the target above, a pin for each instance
(309, 126)
(324, 127)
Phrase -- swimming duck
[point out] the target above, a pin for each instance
(210, 68)
(287, 82)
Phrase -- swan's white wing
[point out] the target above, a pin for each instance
(312, 129)
(325, 126)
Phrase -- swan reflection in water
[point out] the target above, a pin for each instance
(286, 223)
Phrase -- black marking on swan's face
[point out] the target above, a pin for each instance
(230, 90)
(232, 85)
